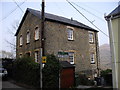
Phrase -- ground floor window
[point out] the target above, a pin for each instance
(28, 54)
(71, 57)
(92, 58)
(20, 55)
(66, 56)
(36, 56)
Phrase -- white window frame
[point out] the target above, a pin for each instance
(36, 56)
(91, 37)
(37, 33)
(20, 55)
(70, 33)
(71, 57)
(92, 58)
(21, 40)
(28, 37)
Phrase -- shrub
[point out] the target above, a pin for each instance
(51, 72)
(26, 71)
(82, 79)
(107, 75)
(105, 72)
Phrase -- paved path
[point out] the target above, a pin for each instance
(94, 87)
(7, 84)
(10, 85)
(83, 87)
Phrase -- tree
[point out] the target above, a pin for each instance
(12, 41)
(51, 72)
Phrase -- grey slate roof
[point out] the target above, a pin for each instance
(115, 12)
(66, 64)
(55, 18)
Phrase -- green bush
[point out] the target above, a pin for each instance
(51, 72)
(82, 79)
(107, 75)
(105, 72)
(26, 71)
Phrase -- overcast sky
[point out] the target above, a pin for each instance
(94, 10)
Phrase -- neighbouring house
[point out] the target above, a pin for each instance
(113, 20)
(5, 54)
(67, 39)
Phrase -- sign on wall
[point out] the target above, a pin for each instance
(44, 59)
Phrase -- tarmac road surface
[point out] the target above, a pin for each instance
(8, 85)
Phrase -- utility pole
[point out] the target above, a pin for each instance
(42, 27)
(42, 40)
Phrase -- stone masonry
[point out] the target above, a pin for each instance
(56, 40)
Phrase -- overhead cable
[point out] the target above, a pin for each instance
(18, 6)
(88, 11)
(11, 12)
(86, 18)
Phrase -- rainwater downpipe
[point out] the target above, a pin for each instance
(114, 53)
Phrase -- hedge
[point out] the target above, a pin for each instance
(26, 71)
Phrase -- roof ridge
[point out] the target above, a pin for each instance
(61, 19)
(55, 18)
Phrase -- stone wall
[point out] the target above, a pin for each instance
(30, 23)
(56, 40)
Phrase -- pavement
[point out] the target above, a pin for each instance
(89, 87)
(7, 84)
(12, 85)
(84, 87)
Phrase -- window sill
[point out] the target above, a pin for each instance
(21, 45)
(91, 42)
(92, 62)
(70, 39)
(27, 43)
(72, 63)
(36, 40)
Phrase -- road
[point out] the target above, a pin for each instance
(8, 84)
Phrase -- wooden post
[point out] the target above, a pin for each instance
(42, 53)
(42, 27)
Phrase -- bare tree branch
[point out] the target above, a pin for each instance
(11, 44)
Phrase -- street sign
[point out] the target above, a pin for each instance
(44, 59)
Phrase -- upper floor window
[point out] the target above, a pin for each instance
(28, 37)
(91, 37)
(70, 34)
(36, 33)
(71, 57)
(92, 58)
(21, 40)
